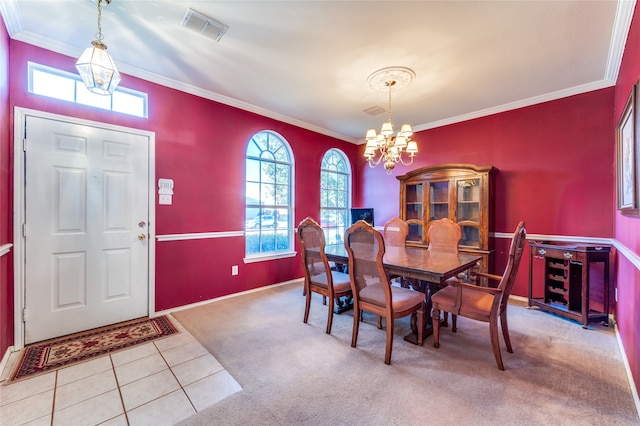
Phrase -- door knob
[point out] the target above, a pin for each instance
(142, 237)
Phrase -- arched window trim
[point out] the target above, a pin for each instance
(280, 254)
(330, 234)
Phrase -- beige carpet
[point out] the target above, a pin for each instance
(294, 373)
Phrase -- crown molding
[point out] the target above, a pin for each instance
(11, 16)
(564, 93)
(621, 25)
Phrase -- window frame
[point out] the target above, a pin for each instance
(332, 232)
(74, 97)
(275, 254)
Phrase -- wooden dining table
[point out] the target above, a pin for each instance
(428, 270)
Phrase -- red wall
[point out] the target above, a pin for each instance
(201, 145)
(6, 261)
(627, 229)
(551, 169)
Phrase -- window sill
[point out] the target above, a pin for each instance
(269, 256)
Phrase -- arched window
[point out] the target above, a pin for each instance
(335, 195)
(269, 195)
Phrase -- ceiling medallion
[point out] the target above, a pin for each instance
(401, 76)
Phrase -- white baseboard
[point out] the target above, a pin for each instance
(5, 360)
(206, 302)
(627, 367)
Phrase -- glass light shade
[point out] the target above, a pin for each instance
(371, 134)
(406, 130)
(372, 144)
(400, 142)
(412, 147)
(97, 69)
(387, 129)
(369, 152)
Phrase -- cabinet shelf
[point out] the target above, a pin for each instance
(557, 290)
(557, 278)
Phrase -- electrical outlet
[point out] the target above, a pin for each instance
(234, 270)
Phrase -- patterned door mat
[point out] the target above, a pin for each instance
(52, 354)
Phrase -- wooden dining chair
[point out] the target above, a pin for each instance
(395, 235)
(444, 236)
(370, 286)
(487, 304)
(395, 232)
(318, 276)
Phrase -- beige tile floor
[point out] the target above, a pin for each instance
(158, 383)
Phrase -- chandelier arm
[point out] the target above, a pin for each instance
(373, 163)
(406, 164)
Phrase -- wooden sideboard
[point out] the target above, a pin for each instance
(562, 279)
(460, 192)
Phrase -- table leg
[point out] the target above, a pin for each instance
(428, 288)
(343, 304)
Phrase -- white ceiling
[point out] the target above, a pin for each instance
(307, 62)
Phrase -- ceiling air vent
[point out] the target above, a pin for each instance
(206, 26)
(374, 110)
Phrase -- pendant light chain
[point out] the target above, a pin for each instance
(99, 36)
(390, 84)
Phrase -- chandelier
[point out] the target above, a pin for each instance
(390, 146)
(95, 65)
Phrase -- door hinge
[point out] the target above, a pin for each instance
(24, 144)
(24, 229)
(24, 314)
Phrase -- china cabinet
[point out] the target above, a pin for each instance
(460, 192)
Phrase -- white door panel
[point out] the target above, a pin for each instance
(86, 196)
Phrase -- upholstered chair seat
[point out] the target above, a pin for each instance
(340, 281)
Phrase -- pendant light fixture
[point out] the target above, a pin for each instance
(390, 146)
(95, 65)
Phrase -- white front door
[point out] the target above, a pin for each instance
(86, 215)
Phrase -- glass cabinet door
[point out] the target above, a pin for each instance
(468, 211)
(413, 211)
(413, 202)
(438, 200)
